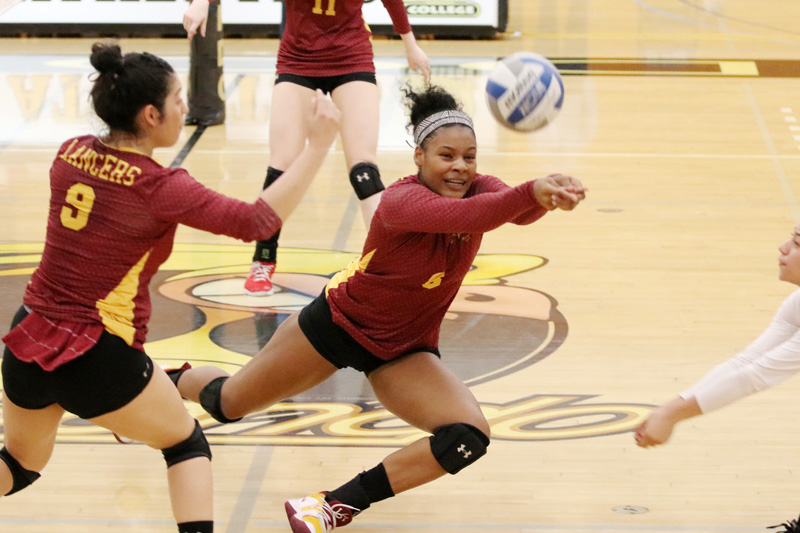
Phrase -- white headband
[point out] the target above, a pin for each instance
(437, 120)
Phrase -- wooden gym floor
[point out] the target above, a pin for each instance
(681, 118)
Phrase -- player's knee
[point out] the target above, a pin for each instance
(20, 476)
(456, 446)
(366, 180)
(211, 400)
(194, 446)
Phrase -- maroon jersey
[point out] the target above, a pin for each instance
(112, 219)
(331, 37)
(420, 246)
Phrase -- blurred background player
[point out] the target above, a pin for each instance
(325, 45)
(76, 344)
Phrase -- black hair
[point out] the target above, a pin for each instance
(123, 85)
(427, 101)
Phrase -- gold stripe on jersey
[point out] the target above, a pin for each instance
(106, 167)
(116, 309)
(356, 265)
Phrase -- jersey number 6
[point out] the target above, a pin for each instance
(80, 199)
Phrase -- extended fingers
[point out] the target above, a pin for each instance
(426, 71)
(191, 27)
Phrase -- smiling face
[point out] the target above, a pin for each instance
(448, 162)
(789, 260)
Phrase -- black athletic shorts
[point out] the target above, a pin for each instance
(326, 83)
(335, 344)
(100, 381)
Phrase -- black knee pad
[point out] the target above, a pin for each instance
(211, 399)
(22, 478)
(366, 180)
(456, 446)
(272, 176)
(195, 446)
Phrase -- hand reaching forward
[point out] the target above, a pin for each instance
(558, 191)
(658, 427)
(654, 431)
(324, 123)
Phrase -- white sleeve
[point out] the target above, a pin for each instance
(771, 359)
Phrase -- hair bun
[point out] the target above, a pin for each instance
(106, 58)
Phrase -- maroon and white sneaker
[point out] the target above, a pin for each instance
(259, 282)
(313, 514)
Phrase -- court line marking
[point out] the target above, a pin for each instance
(661, 36)
(780, 172)
(87, 521)
(198, 132)
(787, 112)
(201, 128)
(725, 17)
(722, 30)
(533, 527)
(346, 224)
(372, 526)
(246, 502)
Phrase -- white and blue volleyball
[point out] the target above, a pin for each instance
(525, 91)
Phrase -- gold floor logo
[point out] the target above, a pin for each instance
(201, 315)
(537, 418)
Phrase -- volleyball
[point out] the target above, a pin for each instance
(524, 91)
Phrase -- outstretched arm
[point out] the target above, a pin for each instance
(771, 359)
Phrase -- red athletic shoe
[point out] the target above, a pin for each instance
(259, 282)
(313, 514)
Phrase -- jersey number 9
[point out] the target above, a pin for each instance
(80, 199)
